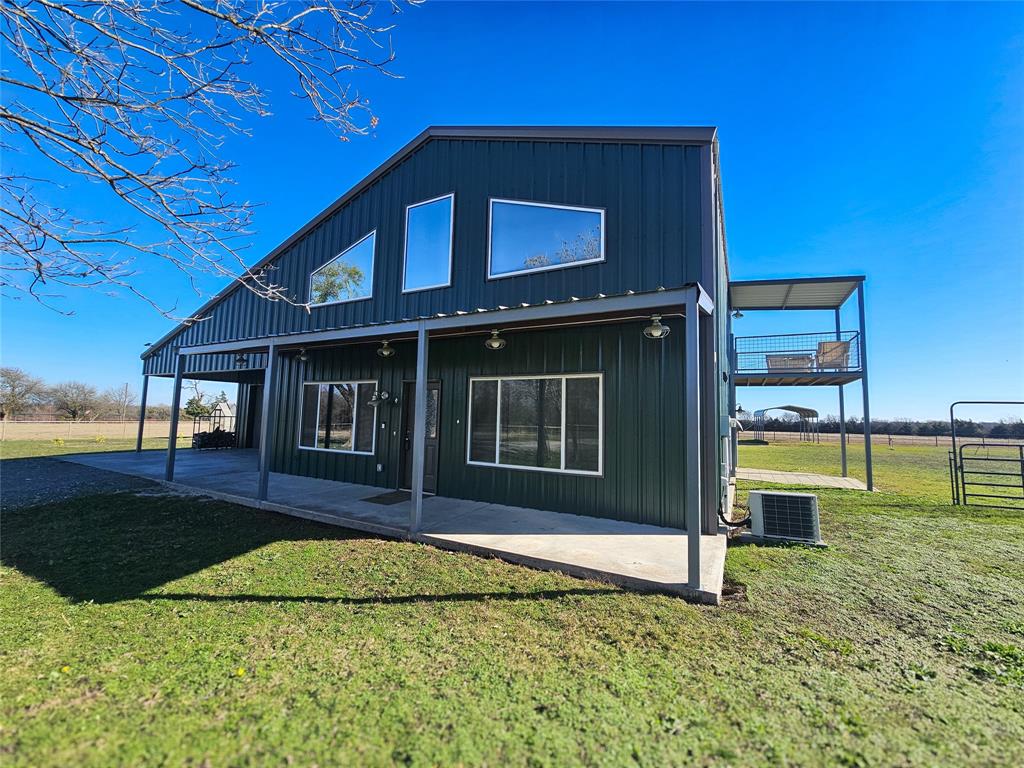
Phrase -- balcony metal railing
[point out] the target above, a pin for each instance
(797, 353)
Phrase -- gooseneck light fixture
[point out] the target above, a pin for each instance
(379, 398)
(303, 357)
(656, 330)
(737, 315)
(495, 342)
(386, 350)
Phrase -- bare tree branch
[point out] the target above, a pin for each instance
(137, 97)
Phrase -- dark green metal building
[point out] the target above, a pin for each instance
(484, 317)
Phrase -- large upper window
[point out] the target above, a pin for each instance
(531, 237)
(428, 244)
(346, 277)
(548, 423)
(337, 416)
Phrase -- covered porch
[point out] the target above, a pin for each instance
(402, 363)
(644, 557)
(829, 358)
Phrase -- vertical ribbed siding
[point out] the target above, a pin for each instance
(643, 419)
(162, 363)
(651, 193)
(242, 406)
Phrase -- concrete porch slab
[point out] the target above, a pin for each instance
(641, 557)
(799, 478)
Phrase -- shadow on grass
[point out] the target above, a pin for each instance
(117, 546)
(120, 546)
(456, 597)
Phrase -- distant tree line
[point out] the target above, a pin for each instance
(789, 422)
(25, 396)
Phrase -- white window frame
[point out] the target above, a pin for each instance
(497, 424)
(373, 265)
(355, 410)
(451, 244)
(490, 233)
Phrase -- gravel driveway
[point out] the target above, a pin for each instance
(27, 482)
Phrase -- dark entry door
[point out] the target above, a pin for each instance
(254, 418)
(433, 424)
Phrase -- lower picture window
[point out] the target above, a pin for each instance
(338, 416)
(548, 423)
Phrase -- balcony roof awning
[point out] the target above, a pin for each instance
(793, 293)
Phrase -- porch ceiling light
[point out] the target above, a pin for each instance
(656, 330)
(379, 398)
(386, 350)
(495, 342)
(241, 361)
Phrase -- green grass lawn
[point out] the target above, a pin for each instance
(920, 470)
(179, 631)
(20, 449)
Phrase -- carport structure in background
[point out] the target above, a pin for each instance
(829, 358)
(808, 421)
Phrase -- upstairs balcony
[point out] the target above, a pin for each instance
(797, 359)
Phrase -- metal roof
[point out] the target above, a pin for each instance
(657, 134)
(793, 293)
(803, 413)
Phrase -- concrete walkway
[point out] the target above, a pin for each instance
(643, 557)
(799, 478)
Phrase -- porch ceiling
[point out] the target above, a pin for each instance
(597, 308)
(796, 293)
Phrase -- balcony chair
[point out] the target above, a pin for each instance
(790, 362)
(833, 355)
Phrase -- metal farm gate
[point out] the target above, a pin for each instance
(986, 473)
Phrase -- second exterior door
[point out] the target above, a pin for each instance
(433, 425)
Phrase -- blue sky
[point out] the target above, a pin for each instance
(884, 139)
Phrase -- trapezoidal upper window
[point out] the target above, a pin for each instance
(346, 277)
(526, 237)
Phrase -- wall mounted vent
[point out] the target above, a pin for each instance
(787, 516)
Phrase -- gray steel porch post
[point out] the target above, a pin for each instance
(270, 379)
(842, 403)
(142, 412)
(734, 433)
(419, 431)
(172, 437)
(864, 386)
(692, 494)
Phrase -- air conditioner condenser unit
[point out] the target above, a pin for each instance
(785, 516)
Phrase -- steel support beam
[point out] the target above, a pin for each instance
(842, 403)
(692, 493)
(270, 379)
(419, 431)
(172, 436)
(142, 412)
(864, 386)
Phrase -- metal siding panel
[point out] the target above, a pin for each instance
(651, 193)
(643, 426)
(643, 419)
